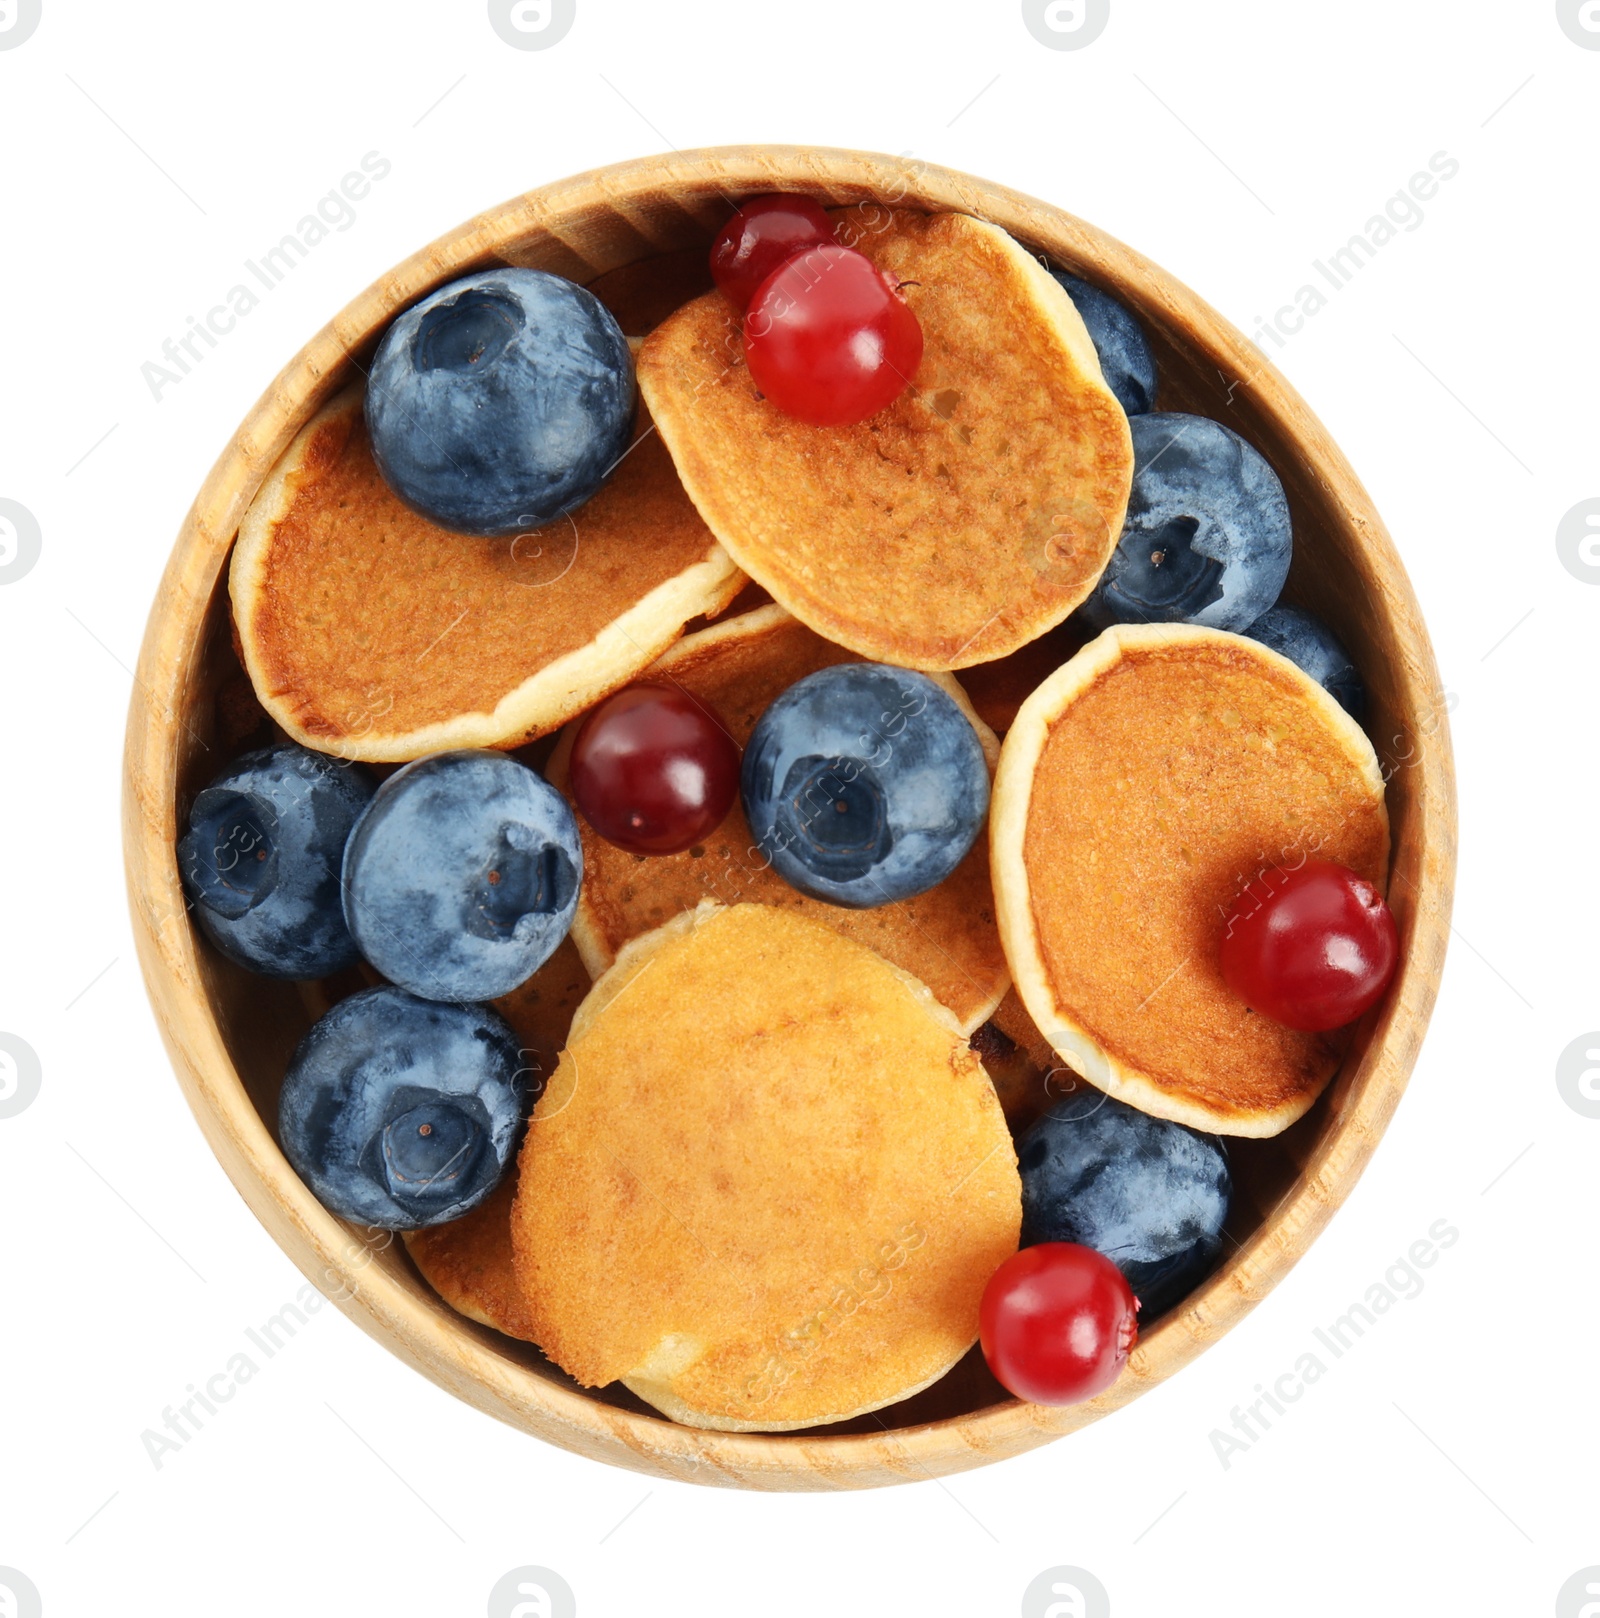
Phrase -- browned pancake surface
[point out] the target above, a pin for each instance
(956, 524)
(946, 937)
(469, 1264)
(769, 1181)
(1161, 791)
(365, 621)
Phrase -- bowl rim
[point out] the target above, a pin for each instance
(451, 1352)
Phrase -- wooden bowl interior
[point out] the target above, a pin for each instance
(1343, 570)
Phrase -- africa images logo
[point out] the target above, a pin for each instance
(1580, 22)
(18, 19)
(532, 25)
(1066, 25)
(20, 1080)
(532, 1592)
(1578, 541)
(1578, 1075)
(1066, 1592)
(1579, 1597)
(20, 539)
(19, 1595)
(335, 212)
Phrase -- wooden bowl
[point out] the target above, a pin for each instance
(230, 1034)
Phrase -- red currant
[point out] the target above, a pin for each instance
(764, 232)
(1311, 948)
(1057, 1323)
(829, 339)
(654, 769)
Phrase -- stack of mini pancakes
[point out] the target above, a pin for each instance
(768, 1175)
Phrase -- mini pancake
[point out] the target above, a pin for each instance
(370, 633)
(1142, 787)
(468, 1262)
(768, 1182)
(957, 524)
(946, 937)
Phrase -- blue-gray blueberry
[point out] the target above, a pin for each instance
(1152, 1196)
(1308, 643)
(462, 876)
(864, 784)
(400, 1112)
(1207, 539)
(1125, 358)
(500, 401)
(260, 861)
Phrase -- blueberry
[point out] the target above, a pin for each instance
(1207, 538)
(260, 860)
(462, 876)
(1151, 1195)
(500, 401)
(400, 1113)
(1125, 358)
(1309, 643)
(864, 784)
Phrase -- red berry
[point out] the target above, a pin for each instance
(654, 769)
(1311, 948)
(764, 232)
(829, 339)
(1057, 1323)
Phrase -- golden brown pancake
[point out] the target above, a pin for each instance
(965, 519)
(370, 633)
(946, 937)
(1141, 788)
(642, 294)
(768, 1182)
(468, 1261)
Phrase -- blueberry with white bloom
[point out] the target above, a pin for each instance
(260, 860)
(462, 876)
(401, 1113)
(864, 784)
(500, 401)
(1152, 1196)
(1207, 538)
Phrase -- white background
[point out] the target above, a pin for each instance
(1447, 1463)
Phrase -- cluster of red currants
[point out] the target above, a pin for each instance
(828, 336)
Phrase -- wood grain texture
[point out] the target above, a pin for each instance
(230, 1035)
